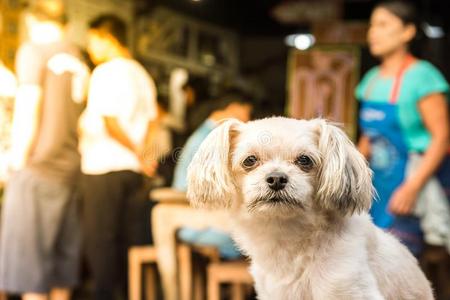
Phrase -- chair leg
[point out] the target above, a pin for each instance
(150, 287)
(185, 271)
(237, 291)
(199, 282)
(134, 277)
(213, 286)
(249, 289)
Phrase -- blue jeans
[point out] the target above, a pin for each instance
(210, 237)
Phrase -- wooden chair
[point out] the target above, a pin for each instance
(195, 273)
(233, 272)
(137, 257)
(435, 262)
(192, 273)
(180, 273)
(191, 279)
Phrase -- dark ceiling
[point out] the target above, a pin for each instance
(253, 17)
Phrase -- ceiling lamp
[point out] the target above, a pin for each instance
(301, 41)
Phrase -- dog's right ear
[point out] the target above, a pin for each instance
(210, 184)
(345, 180)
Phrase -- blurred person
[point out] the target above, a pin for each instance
(176, 97)
(8, 85)
(8, 82)
(39, 248)
(197, 94)
(233, 105)
(196, 89)
(187, 109)
(405, 131)
(162, 147)
(117, 130)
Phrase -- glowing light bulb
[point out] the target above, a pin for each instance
(301, 41)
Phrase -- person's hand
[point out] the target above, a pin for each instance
(149, 167)
(149, 164)
(404, 199)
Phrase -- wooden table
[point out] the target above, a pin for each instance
(171, 213)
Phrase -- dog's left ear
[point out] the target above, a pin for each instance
(210, 184)
(345, 180)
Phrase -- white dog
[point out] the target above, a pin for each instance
(299, 192)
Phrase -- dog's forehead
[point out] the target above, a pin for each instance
(278, 130)
(276, 137)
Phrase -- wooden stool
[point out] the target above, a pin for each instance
(435, 262)
(191, 275)
(137, 257)
(234, 272)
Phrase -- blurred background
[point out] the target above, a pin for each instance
(240, 41)
(299, 58)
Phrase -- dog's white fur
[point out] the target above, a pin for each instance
(317, 242)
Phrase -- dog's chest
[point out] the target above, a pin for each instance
(283, 281)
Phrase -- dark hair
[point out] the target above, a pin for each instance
(111, 24)
(404, 10)
(233, 96)
(200, 85)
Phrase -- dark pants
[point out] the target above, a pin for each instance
(116, 215)
(443, 175)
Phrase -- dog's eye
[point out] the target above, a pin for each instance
(304, 162)
(250, 161)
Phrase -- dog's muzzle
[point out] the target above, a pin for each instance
(277, 180)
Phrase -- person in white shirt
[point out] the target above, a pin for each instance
(116, 129)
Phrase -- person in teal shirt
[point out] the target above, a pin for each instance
(403, 115)
(420, 80)
(232, 105)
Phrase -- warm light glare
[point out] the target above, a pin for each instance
(42, 32)
(7, 83)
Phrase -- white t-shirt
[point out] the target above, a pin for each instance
(120, 88)
(8, 82)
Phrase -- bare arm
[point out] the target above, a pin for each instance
(116, 132)
(147, 154)
(364, 146)
(434, 111)
(149, 141)
(148, 166)
(25, 122)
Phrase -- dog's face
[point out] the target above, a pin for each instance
(280, 167)
(275, 163)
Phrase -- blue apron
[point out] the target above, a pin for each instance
(389, 154)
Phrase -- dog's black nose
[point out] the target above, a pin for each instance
(277, 180)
